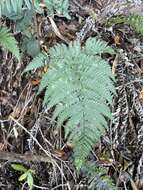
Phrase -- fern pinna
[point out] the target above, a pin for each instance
(9, 42)
(79, 83)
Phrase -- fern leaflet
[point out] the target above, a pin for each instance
(9, 42)
(37, 62)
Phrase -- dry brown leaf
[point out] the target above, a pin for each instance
(35, 82)
(134, 187)
(59, 152)
(117, 39)
(141, 95)
(1, 146)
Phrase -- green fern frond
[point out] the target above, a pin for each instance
(28, 4)
(135, 21)
(37, 62)
(60, 6)
(98, 177)
(79, 83)
(8, 41)
(94, 46)
(10, 8)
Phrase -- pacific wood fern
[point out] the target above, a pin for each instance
(135, 21)
(79, 84)
(8, 41)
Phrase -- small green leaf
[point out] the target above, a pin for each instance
(23, 24)
(31, 45)
(30, 179)
(19, 167)
(23, 176)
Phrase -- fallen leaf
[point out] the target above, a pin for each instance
(141, 95)
(58, 152)
(117, 39)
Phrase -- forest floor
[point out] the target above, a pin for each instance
(28, 136)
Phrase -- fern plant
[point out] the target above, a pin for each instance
(8, 41)
(79, 84)
(135, 21)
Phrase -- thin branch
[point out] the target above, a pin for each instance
(10, 156)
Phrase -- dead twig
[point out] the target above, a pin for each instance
(56, 30)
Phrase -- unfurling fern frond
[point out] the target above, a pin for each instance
(135, 21)
(8, 41)
(79, 83)
(98, 177)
